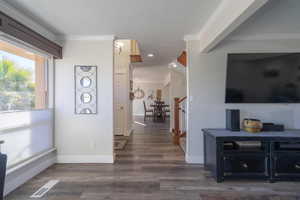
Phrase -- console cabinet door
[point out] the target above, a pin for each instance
(3, 162)
(287, 165)
(247, 165)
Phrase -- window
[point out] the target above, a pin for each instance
(22, 79)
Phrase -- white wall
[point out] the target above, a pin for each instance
(166, 93)
(150, 74)
(206, 91)
(138, 107)
(84, 138)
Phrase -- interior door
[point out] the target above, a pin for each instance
(120, 100)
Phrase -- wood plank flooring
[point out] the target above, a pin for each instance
(149, 168)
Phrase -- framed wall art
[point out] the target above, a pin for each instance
(85, 89)
(139, 93)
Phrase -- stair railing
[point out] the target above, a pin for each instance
(179, 120)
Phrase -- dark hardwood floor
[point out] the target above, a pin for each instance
(149, 168)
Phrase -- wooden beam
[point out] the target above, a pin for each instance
(182, 58)
(182, 99)
(135, 54)
(40, 81)
(135, 59)
(176, 130)
(16, 51)
(228, 16)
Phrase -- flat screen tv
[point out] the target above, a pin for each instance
(263, 78)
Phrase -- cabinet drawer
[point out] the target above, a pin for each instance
(287, 165)
(245, 165)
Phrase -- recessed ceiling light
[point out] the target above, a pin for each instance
(150, 55)
(119, 44)
(174, 65)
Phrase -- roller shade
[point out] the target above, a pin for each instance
(16, 29)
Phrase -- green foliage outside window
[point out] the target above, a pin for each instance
(16, 87)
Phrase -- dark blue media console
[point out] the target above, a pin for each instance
(272, 156)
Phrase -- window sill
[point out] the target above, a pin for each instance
(22, 164)
(20, 111)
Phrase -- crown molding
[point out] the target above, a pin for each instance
(86, 37)
(268, 36)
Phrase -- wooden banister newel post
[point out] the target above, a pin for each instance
(176, 131)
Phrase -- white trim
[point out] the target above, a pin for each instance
(86, 37)
(27, 162)
(218, 27)
(139, 115)
(22, 175)
(194, 159)
(188, 101)
(85, 159)
(268, 36)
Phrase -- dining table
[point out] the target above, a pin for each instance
(159, 114)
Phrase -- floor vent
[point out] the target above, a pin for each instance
(44, 189)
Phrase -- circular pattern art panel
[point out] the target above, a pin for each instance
(85, 82)
(86, 98)
(85, 89)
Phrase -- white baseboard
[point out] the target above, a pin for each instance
(194, 159)
(138, 115)
(18, 177)
(84, 159)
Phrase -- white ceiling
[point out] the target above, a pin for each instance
(159, 26)
(278, 19)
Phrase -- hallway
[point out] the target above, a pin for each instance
(151, 143)
(149, 168)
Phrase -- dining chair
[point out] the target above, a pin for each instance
(167, 111)
(147, 111)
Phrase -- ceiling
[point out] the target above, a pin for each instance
(159, 26)
(276, 20)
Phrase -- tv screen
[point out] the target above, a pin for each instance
(263, 78)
